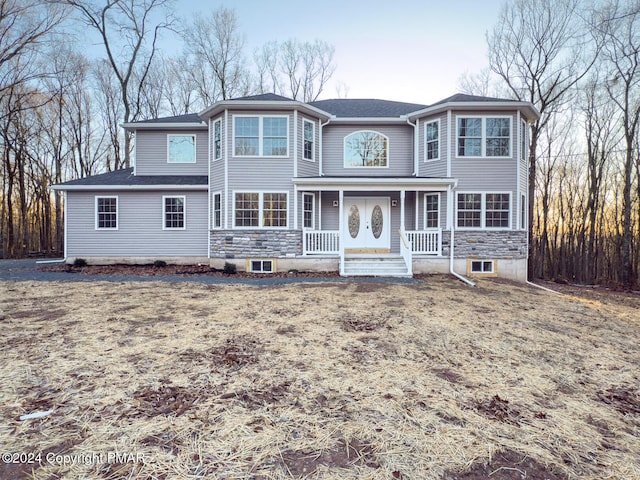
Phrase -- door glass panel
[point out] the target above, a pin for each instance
(376, 221)
(354, 221)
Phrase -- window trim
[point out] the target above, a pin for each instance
(524, 212)
(524, 144)
(164, 212)
(260, 135)
(214, 226)
(217, 155)
(483, 210)
(262, 261)
(426, 141)
(436, 194)
(313, 141)
(195, 147)
(344, 150)
(313, 210)
(260, 210)
(483, 137)
(97, 217)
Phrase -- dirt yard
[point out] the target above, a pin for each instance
(327, 380)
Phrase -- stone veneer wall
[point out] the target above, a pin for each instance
(255, 243)
(507, 244)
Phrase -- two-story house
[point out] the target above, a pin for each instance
(364, 187)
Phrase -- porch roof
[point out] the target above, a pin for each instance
(375, 183)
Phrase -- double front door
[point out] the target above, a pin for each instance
(367, 225)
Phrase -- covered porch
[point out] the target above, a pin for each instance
(381, 220)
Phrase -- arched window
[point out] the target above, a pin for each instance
(366, 149)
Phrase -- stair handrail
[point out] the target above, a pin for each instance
(406, 251)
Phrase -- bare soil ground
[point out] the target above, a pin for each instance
(332, 380)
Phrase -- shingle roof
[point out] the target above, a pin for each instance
(463, 97)
(270, 97)
(125, 177)
(366, 107)
(188, 118)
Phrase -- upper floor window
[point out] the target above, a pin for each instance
(261, 136)
(484, 137)
(217, 139)
(523, 141)
(308, 129)
(432, 140)
(366, 149)
(106, 213)
(181, 148)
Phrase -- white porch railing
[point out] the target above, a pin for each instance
(427, 242)
(405, 251)
(320, 242)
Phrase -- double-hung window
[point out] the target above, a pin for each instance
(432, 210)
(483, 210)
(432, 140)
(484, 137)
(217, 210)
(261, 209)
(173, 213)
(308, 132)
(308, 220)
(181, 148)
(106, 213)
(217, 139)
(260, 136)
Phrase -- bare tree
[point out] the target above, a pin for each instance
(539, 50)
(299, 70)
(129, 34)
(217, 50)
(618, 25)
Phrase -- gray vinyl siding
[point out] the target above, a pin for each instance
(400, 150)
(151, 153)
(330, 214)
(432, 168)
(140, 224)
(307, 168)
(259, 174)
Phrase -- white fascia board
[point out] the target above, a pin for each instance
(87, 188)
(363, 184)
(263, 105)
(527, 108)
(165, 126)
(400, 119)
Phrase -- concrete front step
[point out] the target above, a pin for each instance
(377, 267)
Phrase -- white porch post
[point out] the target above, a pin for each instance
(402, 213)
(341, 229)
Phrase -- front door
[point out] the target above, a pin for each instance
(367, 225)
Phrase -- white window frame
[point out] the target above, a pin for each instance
(164, 212)
(427, 142)
(437, 194)
(483, 264)
(524, 212)
(344, 150)
(217, 154)
(213, 210)
(195, 147)
(313, 140)
(261, 136)
(483, 210)
(313, 210)
(262, 262)
(483, 136)
(524, 144)
(97, 214)
(260, 210)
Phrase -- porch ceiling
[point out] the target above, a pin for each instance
(374, 183)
